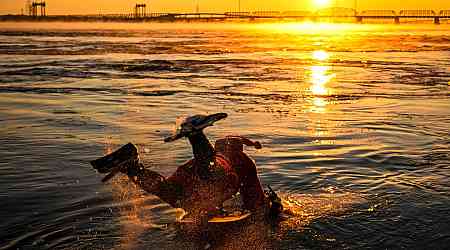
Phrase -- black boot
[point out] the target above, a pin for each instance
(276, 205)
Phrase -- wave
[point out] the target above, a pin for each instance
(74, 90)
(243, 97)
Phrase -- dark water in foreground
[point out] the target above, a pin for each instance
(354, 120)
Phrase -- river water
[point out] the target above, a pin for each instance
(354, 122)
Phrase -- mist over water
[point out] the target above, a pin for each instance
(354, 122)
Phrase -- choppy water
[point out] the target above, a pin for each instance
(354, 120)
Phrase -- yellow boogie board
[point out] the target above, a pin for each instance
(219, 219)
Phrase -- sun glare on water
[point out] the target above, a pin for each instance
(320, 55)
(321, 75)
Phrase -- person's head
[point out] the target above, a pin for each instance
(195, 124)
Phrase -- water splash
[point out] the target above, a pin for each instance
(303, 209)
(133, 218)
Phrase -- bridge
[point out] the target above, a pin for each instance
(140, 14)
(404, 14)
(329, 13)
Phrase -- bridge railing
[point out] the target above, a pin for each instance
(330, 12)
(417, 13)
(237, 14)
(157, 14)
(298, 13)
(336, 12)
(378, 13)
(120, 15)
(445, 13)
(266, 13)
(204, 15)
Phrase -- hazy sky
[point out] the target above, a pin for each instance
(122, 6)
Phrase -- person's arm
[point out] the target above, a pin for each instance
(126, 160)
(169, 189)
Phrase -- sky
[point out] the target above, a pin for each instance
(58, 7)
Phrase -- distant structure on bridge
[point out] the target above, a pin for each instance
(36, 8)
(140, 10)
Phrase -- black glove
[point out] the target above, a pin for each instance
(121, 160)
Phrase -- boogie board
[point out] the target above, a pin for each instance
(219, 218)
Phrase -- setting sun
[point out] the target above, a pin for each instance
(321, 3)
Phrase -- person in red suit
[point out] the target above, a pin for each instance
(203, 183)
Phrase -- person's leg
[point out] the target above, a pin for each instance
(251, 189)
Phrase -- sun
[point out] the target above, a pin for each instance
(321, 3)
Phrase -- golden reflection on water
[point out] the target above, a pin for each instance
(314, 28)
(320, 77)
(320, 55)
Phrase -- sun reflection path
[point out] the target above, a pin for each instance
(320, 55)
(320, 77)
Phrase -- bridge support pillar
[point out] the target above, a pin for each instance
(38, 7)
(437, 20)
(397, 20)
(140, 11)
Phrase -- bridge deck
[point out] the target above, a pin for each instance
(329, 13)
